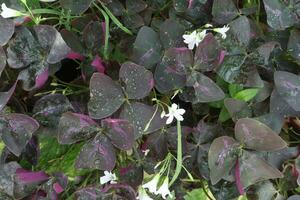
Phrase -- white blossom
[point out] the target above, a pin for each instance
(8, 12)
(174, 112)
(152, 185)
(164, 189)
(194, 38)
(222, 30)
(142, 194)
(108, 177)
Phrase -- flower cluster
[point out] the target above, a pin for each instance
(193, 39)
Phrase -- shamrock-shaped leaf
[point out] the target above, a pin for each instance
(34, 50)
(7, 29)
(288, 87)
(5, 96)
(97, 154)
(138, 81)
(221, 157)
(75, 6)
(147, 47)
(279, 15)
(224, 11)
(208, 52)
(106, 96)
(257, 136)
(170, 72)
(16, 130)
(49, 109)
(145, 119)
(74, 127)
(120, 132)
(254, 169)
(206, 90)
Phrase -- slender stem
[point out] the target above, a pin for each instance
(106, 18)
(179, 154)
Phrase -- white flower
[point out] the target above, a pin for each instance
(8, 12)
(174, 111)
(222, 30)
(152, 185)
(164, 189)
(143, 194)
(108, 177)
(145, 152)
(194, 38)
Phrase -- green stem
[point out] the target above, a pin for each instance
(179, 154)
(106, 18)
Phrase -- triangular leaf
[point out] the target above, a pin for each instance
(257, 136)
(207, 56)
(253, 169)
(74, 127)
(120, 132)
(206, 90)
(5, 96)
(97, 154)
(221, 157)
(224, 11)
(147, 47)
(7, 29)
(16, 131)
(170, 73)
(288, 86)
(138, 81)
(106, 96)
(145, 119)
(237, 109)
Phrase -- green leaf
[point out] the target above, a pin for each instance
(246, 95)
(234, 89)
(224, 115)
(196, 194)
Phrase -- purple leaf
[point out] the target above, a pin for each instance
(207, 55)
(57, 188)
(120, 132)
(253, 169)
(106, 96)
(237, 175)
(41, 78)
(257, 136)
(138, 80)
(26, 176)
(17, 130)
(222, 157)
(7, 29)
(5, 96)
(98, 64)
(144, 118)
(98, 153)
(2, 60)
(73, 55)
(74, 127)
(206, 90)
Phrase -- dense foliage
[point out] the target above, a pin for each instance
(150, 99)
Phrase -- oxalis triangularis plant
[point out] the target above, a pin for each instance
(140, 99)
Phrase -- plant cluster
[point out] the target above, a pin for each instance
(150, 99)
